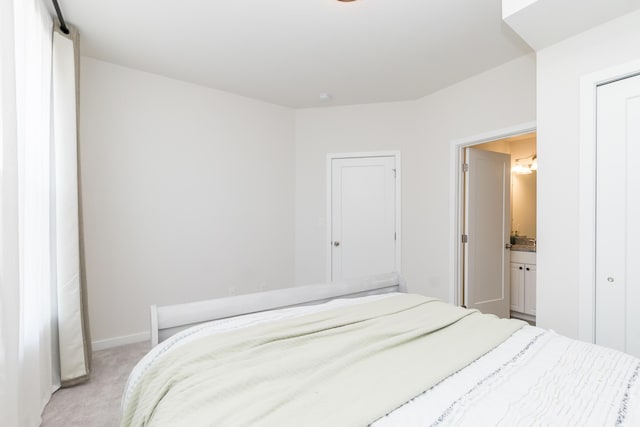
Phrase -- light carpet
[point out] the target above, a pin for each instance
(96, 403)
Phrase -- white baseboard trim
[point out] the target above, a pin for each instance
(118, 341)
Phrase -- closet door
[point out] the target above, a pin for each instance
(618, 216)
(363, 217)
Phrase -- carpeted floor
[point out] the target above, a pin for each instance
(97, 402)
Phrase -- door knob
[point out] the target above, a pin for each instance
(336, 243)
(610, 279)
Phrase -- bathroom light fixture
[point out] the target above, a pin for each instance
(525, 165)
(521, 169)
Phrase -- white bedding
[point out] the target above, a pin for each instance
(534, 378)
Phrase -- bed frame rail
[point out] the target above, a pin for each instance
(170, 319)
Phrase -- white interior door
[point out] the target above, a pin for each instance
(617, 316)
(487, 225)
(363, 216)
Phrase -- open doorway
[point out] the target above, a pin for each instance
(496, 268)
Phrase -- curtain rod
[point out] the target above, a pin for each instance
(63, 25)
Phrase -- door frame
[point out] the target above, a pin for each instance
(587, 192)
(398, 223)
(456, 195)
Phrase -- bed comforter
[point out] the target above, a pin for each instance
(375, 356)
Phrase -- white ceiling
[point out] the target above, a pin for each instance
(289, 51)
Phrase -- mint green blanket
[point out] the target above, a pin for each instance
(343, 367)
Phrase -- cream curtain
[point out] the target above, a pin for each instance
(42, 330)
(73, 331)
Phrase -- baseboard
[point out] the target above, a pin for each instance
(118, 341)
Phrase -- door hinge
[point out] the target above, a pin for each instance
(395, 236)
(465, 238)
(465, 167)
(395, 173)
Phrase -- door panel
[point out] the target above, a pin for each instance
(617, 212)
(530, 289)
(487, 222)
(517, 287)
(363, 217)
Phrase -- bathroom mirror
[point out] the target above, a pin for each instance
(523, 203)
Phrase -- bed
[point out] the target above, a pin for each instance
(364, 352)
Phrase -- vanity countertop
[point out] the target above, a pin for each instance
(523, 248)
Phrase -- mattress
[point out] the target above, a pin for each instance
(535, 377)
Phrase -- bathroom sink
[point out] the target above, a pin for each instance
(523, 244)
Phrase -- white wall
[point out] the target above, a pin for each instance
(560, 68)
(187, 194)
(422, 130)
